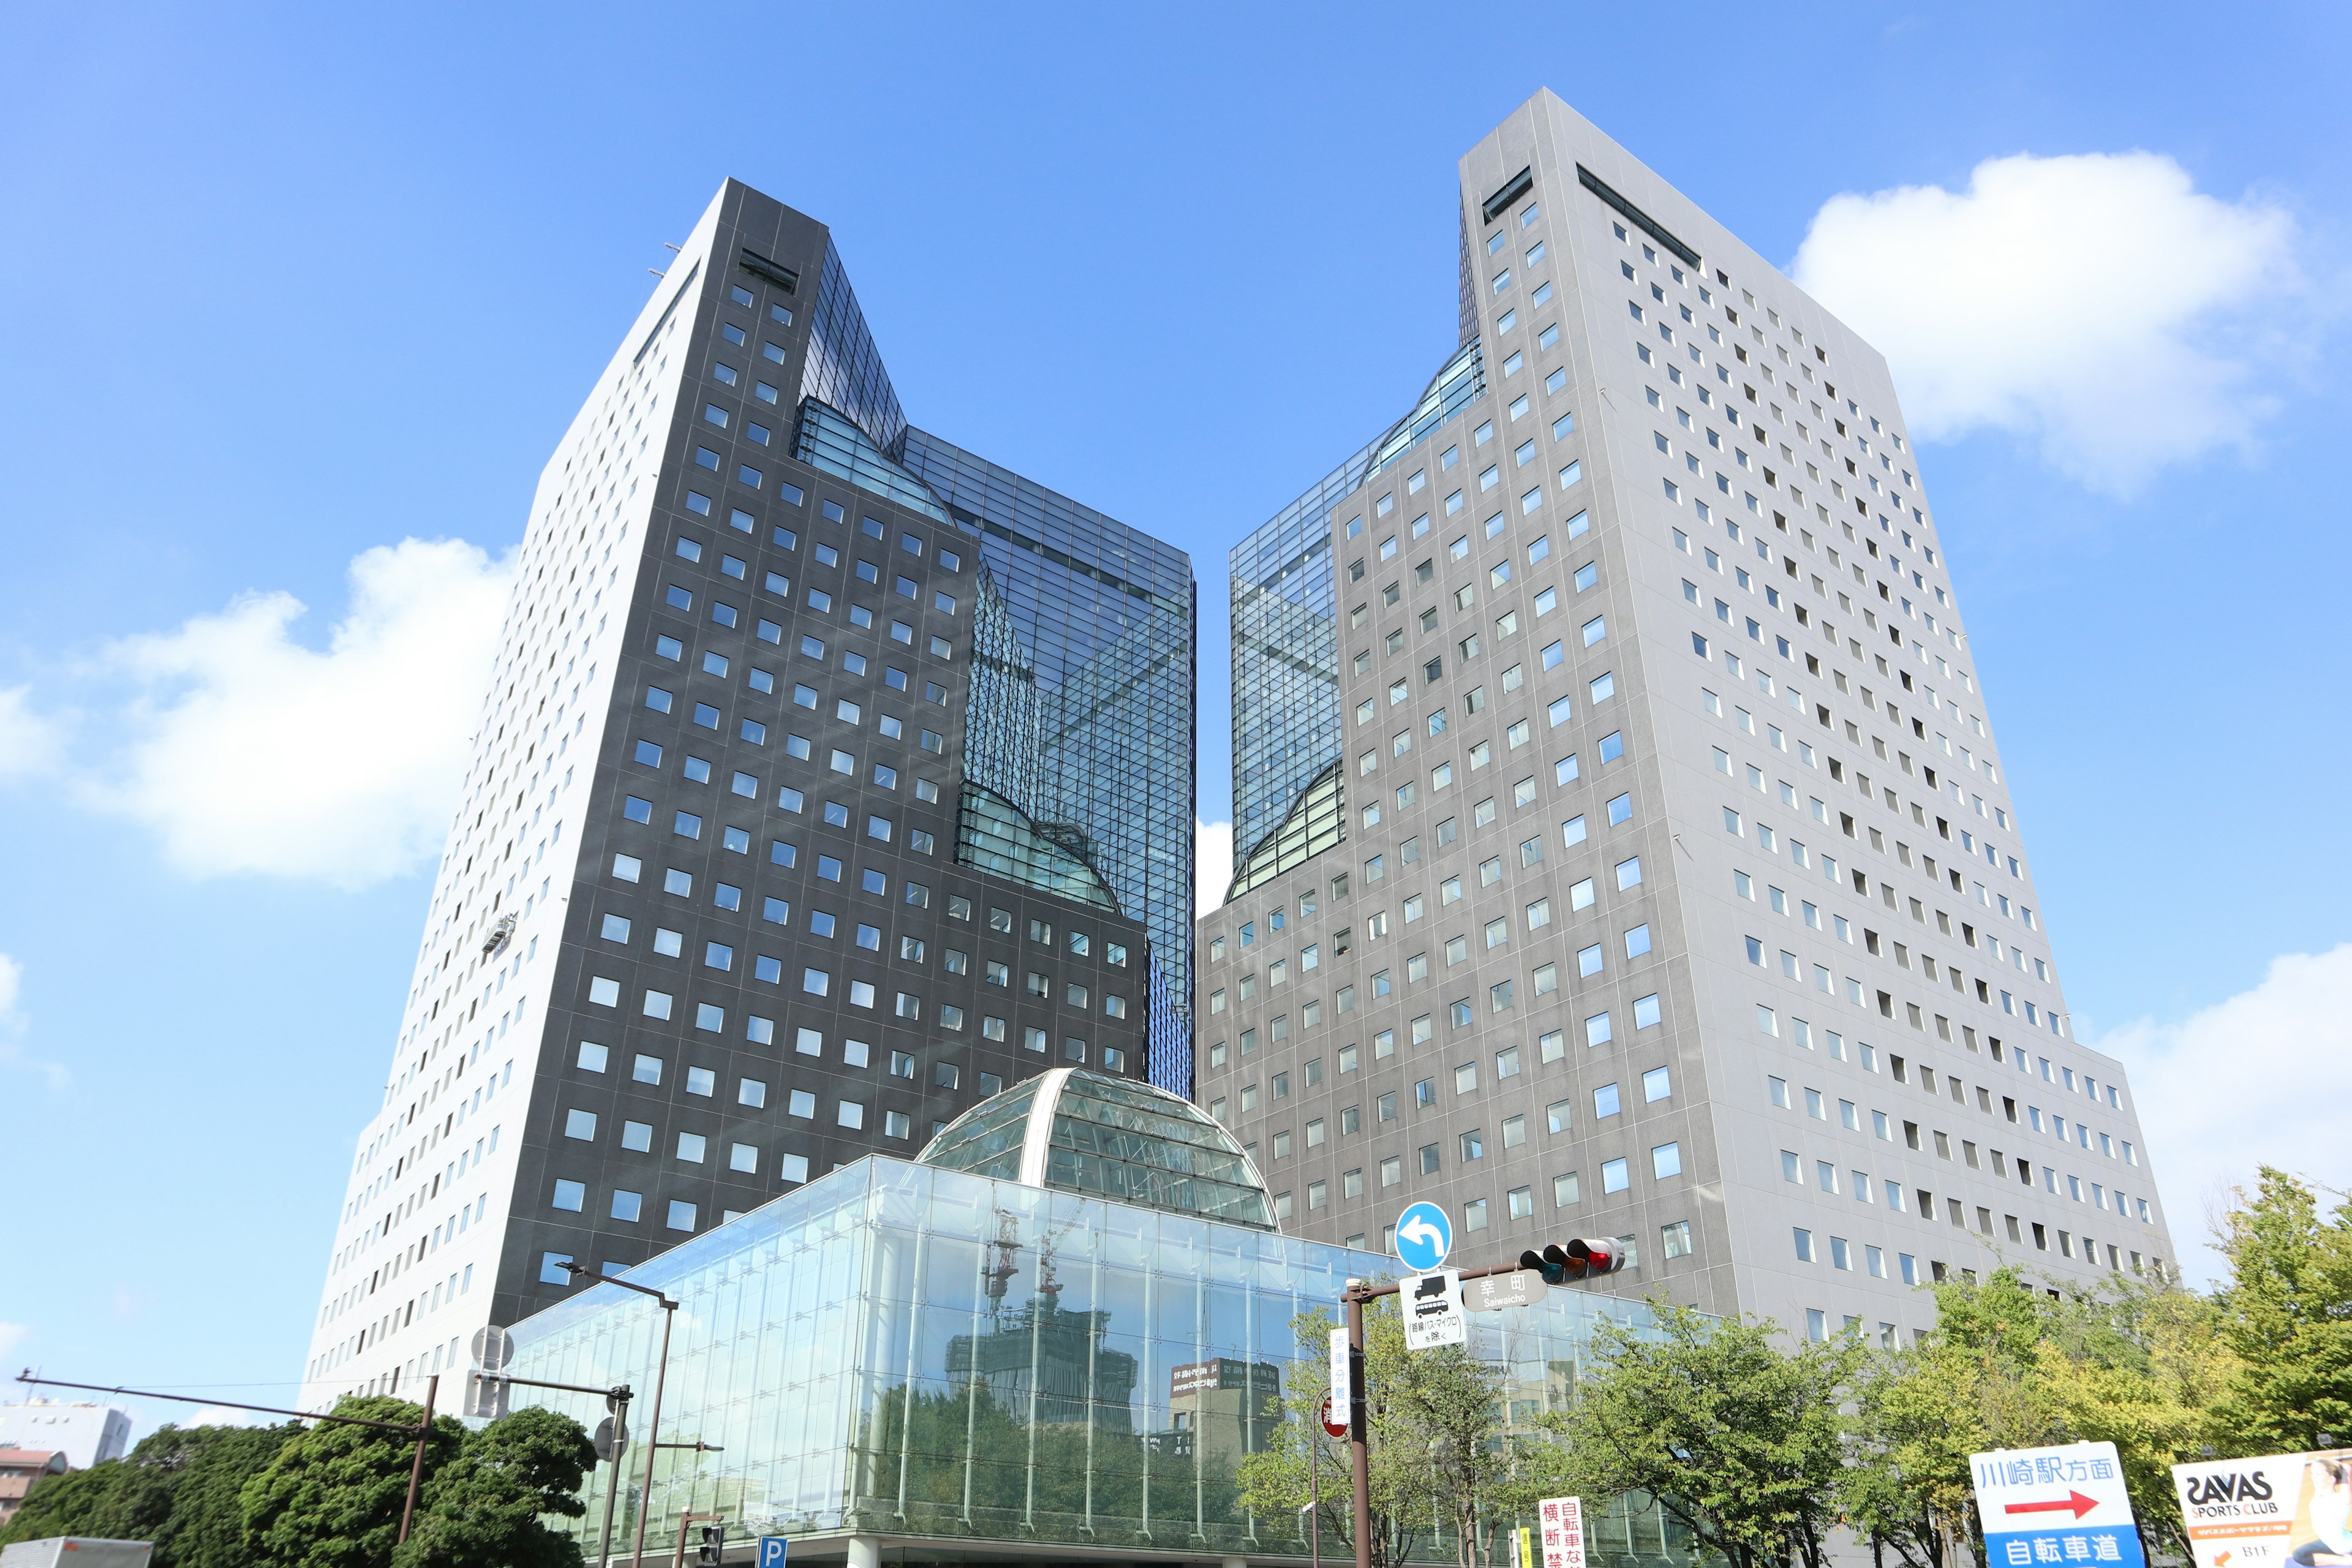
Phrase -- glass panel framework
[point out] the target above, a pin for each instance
(1288, 727)
(1136, 1147)
(844, 369)
(1081, 709)
(994, 836)
(913, 1353)
(1317, 821)
(830, 442)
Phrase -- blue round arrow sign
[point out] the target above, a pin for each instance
(1425, 1237)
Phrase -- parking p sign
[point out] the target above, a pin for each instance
(2055, 1508)
(772, 1550)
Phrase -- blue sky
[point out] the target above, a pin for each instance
(289, 285)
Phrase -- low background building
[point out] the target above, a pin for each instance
(85, 1433)
(19, 1468)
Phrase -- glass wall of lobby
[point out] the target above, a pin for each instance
(952, 1365)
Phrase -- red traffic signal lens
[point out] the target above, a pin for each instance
(1595, 1257)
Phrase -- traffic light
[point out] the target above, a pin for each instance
(1583, 1258)
(714, 1543)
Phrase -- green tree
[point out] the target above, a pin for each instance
(331, 1497)
(208, 1467)
(2013, 1363)
(1433, 1420)
(109, 1501)
(482, 1508)
(1740, 1441)
(177, 1488)
(2286, 1313)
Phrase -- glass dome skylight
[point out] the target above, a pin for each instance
(1110, 1138)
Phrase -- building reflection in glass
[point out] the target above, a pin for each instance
(924, 1357)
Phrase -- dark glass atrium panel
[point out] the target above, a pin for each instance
(832, 443)
(1080, 710)
(994, 836)
(843, 368)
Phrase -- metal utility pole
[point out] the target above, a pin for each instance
(417, 1465)
(661, 1377)
(421, 1431)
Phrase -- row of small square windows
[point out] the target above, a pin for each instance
(1488, 478)
(824, 924)
(1607, 1099)
(1590, 962)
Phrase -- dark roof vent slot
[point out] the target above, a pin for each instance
(759, 266)
(1639, 218)
(1515, 187)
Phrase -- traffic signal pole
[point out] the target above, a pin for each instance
(616, 1400)
(416, 1464)
(1358, 1293)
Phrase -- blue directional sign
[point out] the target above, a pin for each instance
(772, 1550)
(1424, 1237)
(2056, 1508)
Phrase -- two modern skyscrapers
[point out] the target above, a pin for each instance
(1622, 845)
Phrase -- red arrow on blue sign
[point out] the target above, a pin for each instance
(2074, 1502)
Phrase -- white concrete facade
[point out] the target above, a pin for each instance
(86, 1434)
(418, 1243)
(1681, 897)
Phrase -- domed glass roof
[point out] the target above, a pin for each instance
(1110, 1138)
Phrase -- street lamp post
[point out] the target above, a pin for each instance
(653, 1422)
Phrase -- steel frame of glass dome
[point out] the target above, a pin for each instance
(1083, 1131)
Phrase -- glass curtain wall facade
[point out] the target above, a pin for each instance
(1287, 726)
(1081, 710)
(932, 1357)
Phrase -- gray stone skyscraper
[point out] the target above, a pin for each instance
(1621, 848)
(868, 792)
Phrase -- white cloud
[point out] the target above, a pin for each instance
(12, 1031)
(28, 742)
(2260, 1078)
(2096, 302)
(251, 752)
(1212, 864)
